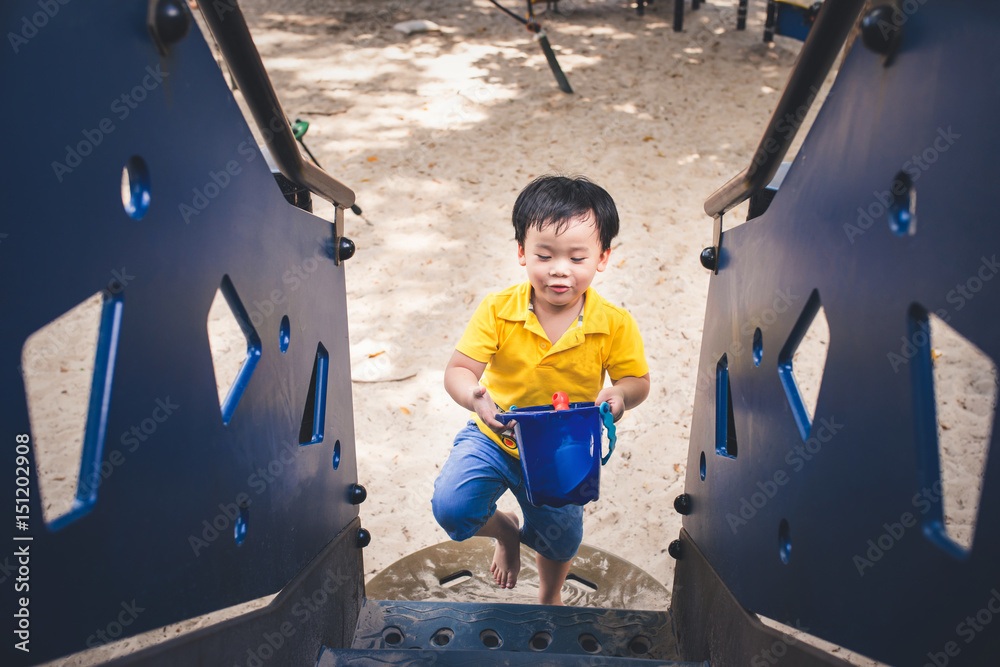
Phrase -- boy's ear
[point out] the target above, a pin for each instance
(520, 255)
(602, 263)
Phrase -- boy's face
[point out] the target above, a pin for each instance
(561, 267)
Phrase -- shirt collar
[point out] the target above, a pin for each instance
(595, 320)
(518, 309)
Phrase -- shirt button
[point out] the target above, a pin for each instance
(544, 346)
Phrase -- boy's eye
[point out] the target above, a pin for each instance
(577, 260)
(543, 257)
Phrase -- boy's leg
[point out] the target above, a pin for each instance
(555, 534)
(475, 475)
(551, 577)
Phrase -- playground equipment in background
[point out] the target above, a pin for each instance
(791, 18)
(543, 41)
(678, 11)
(813, 521)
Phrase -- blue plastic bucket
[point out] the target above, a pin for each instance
(561, 451)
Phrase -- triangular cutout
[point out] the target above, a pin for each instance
(802, 360)
(314, 413)
(67, 367)
(725, 421)
(961, 380)
(234, 344)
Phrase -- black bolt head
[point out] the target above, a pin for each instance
(881, 29)
(345, 249)
(682, 504)
(708, 258)
(172, 21)
(364, 538)
(675, 549)
(357, 494)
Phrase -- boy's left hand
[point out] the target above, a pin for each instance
(626, 392)
(615, 398)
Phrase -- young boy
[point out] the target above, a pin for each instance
(551, 333)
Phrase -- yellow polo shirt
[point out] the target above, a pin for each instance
(524, 368)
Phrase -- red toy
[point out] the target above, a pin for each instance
(560, 401)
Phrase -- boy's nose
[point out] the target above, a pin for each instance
(558, 269)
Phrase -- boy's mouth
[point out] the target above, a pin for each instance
(559, 288)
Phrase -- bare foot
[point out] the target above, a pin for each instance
(507, 556)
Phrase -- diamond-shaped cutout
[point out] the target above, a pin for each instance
(314, 413)
(725, 421)
(802, 360)
(234, 344)
(67, 367)
(956, 390)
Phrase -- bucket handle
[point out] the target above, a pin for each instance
(609, 424)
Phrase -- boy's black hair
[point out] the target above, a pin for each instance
(554, 200)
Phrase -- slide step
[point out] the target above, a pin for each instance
(532, 629)
(484, 658)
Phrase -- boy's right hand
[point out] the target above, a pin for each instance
(486, 409)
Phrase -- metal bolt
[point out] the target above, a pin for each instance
(675, 549)
(682, 504)
(364, 538)
(357, 494)
(345, 249)
(708, 258)
(168, 22)
(881, 29)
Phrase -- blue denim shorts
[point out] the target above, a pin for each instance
(475, 475)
